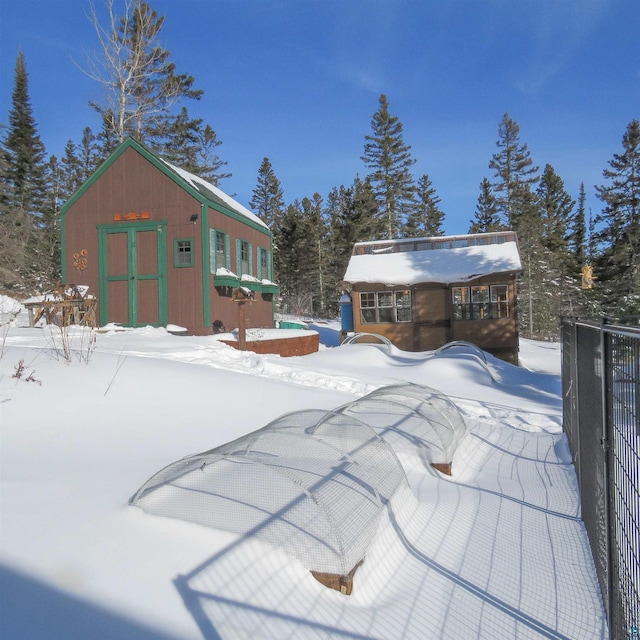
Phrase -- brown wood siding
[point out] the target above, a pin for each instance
(133, 184)
(430, 304)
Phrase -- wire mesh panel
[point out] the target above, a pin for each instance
(601, 385)
(412, 417)
(312, 482)
(592, 453)
(623, 391)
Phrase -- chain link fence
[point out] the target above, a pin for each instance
(601, 388)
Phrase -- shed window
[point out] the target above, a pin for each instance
(264, 264)
(183, 253)
(243, 258)
(385, 306)
(481, 302)
(219, 250)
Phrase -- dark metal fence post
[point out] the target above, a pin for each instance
(607, 466)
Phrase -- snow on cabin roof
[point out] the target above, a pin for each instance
(213, 193)
(394, 263)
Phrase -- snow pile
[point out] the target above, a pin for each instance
(9, 306)
(496, 550)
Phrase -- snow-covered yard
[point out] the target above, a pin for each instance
(496, 550)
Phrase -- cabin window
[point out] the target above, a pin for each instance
(378, 307)
(481, 302)
(264, 264)
(183, 253)
(243, 258)
(500, 300)
(219, 250)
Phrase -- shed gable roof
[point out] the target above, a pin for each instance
(200, 189)
(443, 260)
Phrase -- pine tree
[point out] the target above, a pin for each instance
(556, 206)
(389, 159)
(268, 197)
(107, 140)
(314, 269)
(190, 145)
(292, 239)
(49, 236)
(24, 150)
(618, 266)
(24, 192)
(592, 242)
(208, 162)
(13, 222)
(487, 217)
(72, 172)
(350, 214)
(88, 153)
(533, 313)
(578, 231)
(514, 171)
(426, 218)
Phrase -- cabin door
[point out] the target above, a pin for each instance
(133, 274)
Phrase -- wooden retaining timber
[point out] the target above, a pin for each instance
(343, 584)
(285, 347)
(442, 467)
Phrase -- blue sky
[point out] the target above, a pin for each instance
(298, 81)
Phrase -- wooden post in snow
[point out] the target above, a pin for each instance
(241, 296)
(242, 326)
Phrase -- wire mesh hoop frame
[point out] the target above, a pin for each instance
(366, 338)
(313, 483)
(415, 419)
(462, 344)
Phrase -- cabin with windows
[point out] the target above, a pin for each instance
(159, 246)
(422, 293)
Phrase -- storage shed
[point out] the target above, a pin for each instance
(422, 293)
(158, 246)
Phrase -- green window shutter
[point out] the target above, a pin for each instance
(227, 252)
(239, 257)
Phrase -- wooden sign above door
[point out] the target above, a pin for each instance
(127, 217)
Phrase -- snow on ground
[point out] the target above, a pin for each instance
(496, 550)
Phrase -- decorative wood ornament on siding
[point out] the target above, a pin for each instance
(80, 260)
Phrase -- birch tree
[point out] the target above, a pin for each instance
(139, 81)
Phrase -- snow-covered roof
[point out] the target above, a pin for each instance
(438, 260)
(213, 193)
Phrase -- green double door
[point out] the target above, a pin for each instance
(133, 274)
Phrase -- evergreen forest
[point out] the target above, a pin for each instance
(562, 244)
